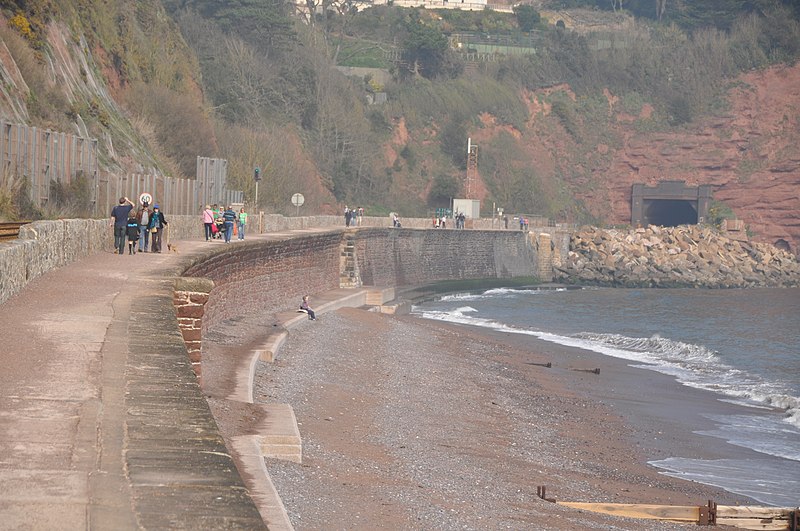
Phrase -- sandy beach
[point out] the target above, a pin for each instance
(415, 424)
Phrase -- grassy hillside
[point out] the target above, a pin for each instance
(252, 82)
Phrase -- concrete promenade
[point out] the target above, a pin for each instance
(102, 421)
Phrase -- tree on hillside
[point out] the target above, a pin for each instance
(264, 24)
(527, 17)
(443, 189)
(426, 51)
(453, 140)
(661, 6)
(181, 126)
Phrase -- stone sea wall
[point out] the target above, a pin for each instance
(685, 256)
(267, 277)
(388, 257)
(46, 245)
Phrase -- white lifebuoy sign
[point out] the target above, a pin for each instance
(146, 198)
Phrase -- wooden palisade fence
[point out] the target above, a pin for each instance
(43, 157)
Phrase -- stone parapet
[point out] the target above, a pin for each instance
(46, 245)
(190, 298)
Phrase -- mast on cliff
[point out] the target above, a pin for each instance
(470, 184)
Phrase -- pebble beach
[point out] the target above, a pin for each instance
(414, 424)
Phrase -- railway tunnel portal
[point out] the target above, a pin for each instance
(669, 204)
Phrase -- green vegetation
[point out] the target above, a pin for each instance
(527, 17)
(718, 212)
(362, 53)
(250, 82)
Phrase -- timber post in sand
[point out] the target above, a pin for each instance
(743, 517)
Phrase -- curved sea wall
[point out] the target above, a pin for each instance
(270, 276)
(684, 256)
(389, 257)
(46, 245)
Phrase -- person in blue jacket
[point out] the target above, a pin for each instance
(119, 220)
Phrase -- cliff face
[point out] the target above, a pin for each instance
(751, 156)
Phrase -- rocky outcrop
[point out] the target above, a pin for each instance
(685, 256)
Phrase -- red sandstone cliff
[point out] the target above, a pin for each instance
(751, 156)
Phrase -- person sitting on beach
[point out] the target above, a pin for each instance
(306, 308)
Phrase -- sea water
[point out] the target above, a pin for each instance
(743, 345)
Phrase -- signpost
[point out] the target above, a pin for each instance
(257, 176)
(145, 198)
(297, 201)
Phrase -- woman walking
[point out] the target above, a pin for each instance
(208, 222)
(241, 222)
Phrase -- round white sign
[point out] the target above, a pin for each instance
(298, 200)
(146, 198)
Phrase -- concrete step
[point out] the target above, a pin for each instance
(284, 452)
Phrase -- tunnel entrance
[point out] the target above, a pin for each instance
(669, 212)
(669, 203)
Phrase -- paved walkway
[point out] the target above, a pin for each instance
(99, 430)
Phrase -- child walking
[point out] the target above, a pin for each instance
(132, 231)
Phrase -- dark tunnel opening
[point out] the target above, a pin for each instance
(669, 212)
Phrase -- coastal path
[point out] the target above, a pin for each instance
(102, 422)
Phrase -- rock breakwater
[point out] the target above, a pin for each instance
(684, 256)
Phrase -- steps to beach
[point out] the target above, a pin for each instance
(282, 440)
(348, 267)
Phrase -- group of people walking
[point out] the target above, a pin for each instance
(353, 216)
(143, 228)
(140, 227)
(220, 223)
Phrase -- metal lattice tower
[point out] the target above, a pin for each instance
(470, 184)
